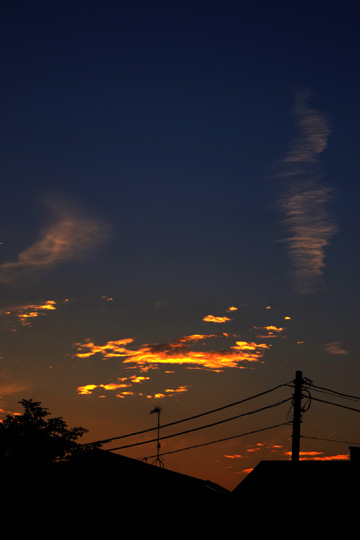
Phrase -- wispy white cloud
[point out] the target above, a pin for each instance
(69, 236)
(336, 348)
(306, 219)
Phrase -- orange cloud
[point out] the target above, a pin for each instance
(122, 383)
(270, 331)
(320, 456)
(232, 308)
(168, 392)
(24, 313)
(176, 390)
(181, 351)
(214, 319)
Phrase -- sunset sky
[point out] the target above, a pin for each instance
(179, 222)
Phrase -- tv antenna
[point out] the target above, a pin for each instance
(158, 461)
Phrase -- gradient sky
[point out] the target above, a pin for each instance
(179, 219)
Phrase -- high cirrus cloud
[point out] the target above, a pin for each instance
(306, 219)
(69, 236)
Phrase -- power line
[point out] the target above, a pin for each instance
(222, 440)
(104, 441)
(330, 440)
(334, 392)
(335, 404)
(203, 427)
(306, 382)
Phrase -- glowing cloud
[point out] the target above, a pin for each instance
(122, 389)
(69, 237)
(306, 219)
(25, 313)
(180, 351)
(269, 331)
(320, 456)
(120, 385)
(214, 319)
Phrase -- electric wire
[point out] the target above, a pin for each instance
(330, 440)
(201, 427)
(305, 407)
(335, 404)
(220, 440)
(335, 393)
(105, 441)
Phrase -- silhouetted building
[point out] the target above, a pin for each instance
(305, 489)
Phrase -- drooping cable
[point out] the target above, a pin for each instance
(330, 440)
(335, 404)
(221, 440)
(335, 393)
(140, 443)
(105, 441)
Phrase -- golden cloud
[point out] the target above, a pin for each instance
(123, 388)
(181, 351)
(120, 385)
(320, 456)
(214, 319)
(269, 331)
(30, 311)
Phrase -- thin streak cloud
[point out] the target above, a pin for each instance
(306, 219)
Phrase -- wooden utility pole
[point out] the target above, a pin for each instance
(296, 417)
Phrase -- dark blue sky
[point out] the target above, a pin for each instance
(159, 165)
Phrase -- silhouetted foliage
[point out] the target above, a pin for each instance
(33, 437)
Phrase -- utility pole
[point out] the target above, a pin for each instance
(158, 460)
(296, 417)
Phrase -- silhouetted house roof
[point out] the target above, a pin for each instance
(105, 481)
(144, 480)
(302, 487)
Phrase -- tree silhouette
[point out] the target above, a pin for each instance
(32, 437)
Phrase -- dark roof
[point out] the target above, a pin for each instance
(303, 487)
(104, 482)
(145, 479)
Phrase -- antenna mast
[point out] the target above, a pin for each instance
(158, 461)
